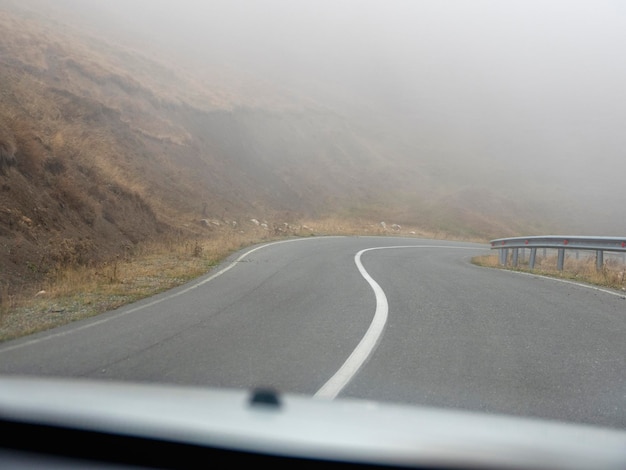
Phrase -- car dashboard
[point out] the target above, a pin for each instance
(78, 423)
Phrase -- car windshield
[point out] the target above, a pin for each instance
(411, 202)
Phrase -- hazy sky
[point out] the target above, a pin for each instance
(532, 62)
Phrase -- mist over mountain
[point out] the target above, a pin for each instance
(126, 121)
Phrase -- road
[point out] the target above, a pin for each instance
(383, 318)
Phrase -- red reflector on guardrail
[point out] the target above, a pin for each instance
(565, 242)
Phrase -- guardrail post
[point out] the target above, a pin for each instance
(504, 254)
(515, 256)
(533, 257)
(599, 260)
(560, 259)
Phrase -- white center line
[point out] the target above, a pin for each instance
(372, 336)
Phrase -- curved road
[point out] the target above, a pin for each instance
(393, 319)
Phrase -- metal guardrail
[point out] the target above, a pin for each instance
(558, 242)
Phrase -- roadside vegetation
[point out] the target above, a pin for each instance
(74, 292)
(582, 269)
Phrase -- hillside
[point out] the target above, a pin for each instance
(103, 147)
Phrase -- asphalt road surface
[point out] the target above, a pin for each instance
(395, 319)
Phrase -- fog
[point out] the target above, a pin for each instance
(533, 88)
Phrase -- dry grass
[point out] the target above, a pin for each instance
(74, 292)
(582, 269)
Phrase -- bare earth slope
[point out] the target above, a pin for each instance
(102, 147)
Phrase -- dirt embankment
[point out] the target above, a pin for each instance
(98, 154)
(102, 148)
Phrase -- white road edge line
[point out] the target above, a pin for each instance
(621, 295)
(372, 336)
(154, 302)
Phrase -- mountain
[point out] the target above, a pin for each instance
(105, 144)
